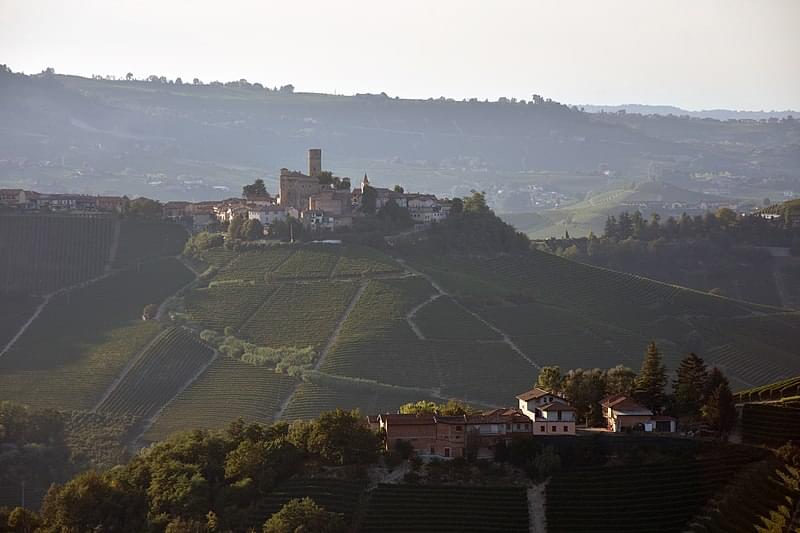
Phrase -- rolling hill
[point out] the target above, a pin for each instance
(377, 331)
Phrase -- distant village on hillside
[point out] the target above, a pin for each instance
(318, 199)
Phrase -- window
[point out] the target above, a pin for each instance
(508, 427)
(517, 426)
(433, 450)
(458, 428)
(555, 428)
(566, 429)
(541, 429)
(447, 452)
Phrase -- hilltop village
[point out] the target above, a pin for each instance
(317, 199)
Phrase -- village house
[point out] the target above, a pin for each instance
(267, 214)
(624, 413)
(550, 413)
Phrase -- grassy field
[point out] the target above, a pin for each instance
(43, 253)
(227, 390)
(159, 374)
(429, 509)
(787, 388)
(226, 305)
(364, 261)
(770, 424)
(83, 339)
(254, 265)
(309, 261)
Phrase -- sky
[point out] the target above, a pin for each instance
(695, 54)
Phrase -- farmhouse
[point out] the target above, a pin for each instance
(624, 413)
(550, 413)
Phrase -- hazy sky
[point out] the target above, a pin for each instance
(741, 54)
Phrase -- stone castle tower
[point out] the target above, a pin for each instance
(314, 162)
(296, 187)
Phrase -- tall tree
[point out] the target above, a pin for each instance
(304, 516)
(719, 410)
(257, 188)
(620, 380)
(652, 378)
(369, 198)
(236, 226)
(690, 384)
(550, 379)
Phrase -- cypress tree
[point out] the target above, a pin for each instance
(689, 387)
(650, 383)
(719, 410)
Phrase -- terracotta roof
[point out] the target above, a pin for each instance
(460, 419)
(613, 400)
(533, 394)
(408, 420)
(557, 406)
(629, 407)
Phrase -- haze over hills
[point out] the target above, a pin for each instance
(181, 141)
(716, 114)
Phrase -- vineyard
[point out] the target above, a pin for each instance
(649, 497)
(83, 339)
(172, 360)
(299, 314)
(445, 319)
(433, 509)
(575, 315)
(44, 253)
(760, 498)
(254, 265)
(308, 262)
(787, 388)
(227, 390)
(364, 261)
(142, 240)
(226, 305)
(770, 424)
(15, 309)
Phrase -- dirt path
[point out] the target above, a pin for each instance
(537, 499)
(112, 250)
(410, 315)
(503, 335)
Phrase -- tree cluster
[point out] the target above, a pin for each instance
(451, 408)
(698, 394)
(210, 481)
(245, 229)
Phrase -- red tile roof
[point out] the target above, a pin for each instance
(533, 394)
(408, 420)
(557, 406)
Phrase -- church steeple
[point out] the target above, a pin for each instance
(364, 182)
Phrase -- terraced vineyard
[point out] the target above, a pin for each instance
(770, 424)
(315, 397)
(335, 495)
(43, 253)
(299, 314)
(657, 497)
(787, 388)
(227, 390)
(15, 310)
(171, 361)
(142, 240)
(83, 339)
(433, 509)
(309, 261)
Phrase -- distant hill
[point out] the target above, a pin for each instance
(716, 114)
(65, 133)
(590, 214)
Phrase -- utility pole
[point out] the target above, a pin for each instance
(22, 499)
